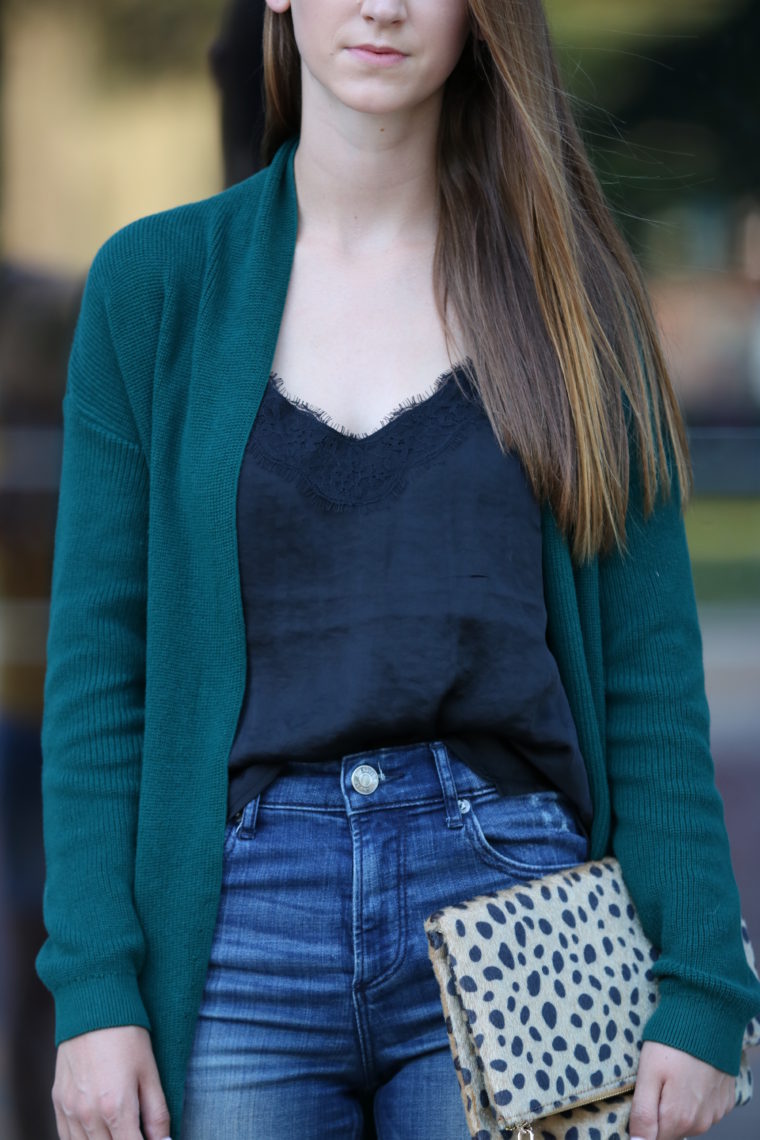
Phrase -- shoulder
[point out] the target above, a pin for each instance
(145, 260)
(172, 253)
(157, 286)
(147, 281)
(143, 291)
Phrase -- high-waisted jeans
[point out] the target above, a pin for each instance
(321, 1016)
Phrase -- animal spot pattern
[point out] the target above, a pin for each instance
(579, 961)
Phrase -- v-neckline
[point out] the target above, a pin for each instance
(408, 406)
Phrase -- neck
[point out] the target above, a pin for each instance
(367, 182)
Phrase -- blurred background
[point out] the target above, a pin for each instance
(112, 109)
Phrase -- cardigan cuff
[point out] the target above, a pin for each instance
(98, 1002)
(708, 1026)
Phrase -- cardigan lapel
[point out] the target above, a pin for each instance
(573, 648)
(250, 258)
(249, 248)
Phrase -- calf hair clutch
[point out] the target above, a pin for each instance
(545, 989)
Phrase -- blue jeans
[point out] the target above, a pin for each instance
(320, 1002)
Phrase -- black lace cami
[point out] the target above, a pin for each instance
(392, 591)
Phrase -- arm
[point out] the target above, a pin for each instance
(93, 718)
(667, 829)
(106, 1077)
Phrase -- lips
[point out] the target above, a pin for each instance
(379, 54)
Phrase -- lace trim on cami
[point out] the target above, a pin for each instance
(342, 470)
(325, 418)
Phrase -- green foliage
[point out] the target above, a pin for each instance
(145, 37)
(153, 35)
(661, 93)
(661, 90)
(611, 24)
(724, 543)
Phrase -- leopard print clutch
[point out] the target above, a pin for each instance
(545, 988)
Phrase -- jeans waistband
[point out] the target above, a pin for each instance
(377, 779)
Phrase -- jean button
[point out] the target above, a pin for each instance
(364, 779)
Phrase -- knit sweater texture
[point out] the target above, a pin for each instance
(147, 654)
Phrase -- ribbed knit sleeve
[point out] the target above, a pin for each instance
(94, 691)
(660, 768)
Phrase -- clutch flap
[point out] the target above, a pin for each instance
(554, 985)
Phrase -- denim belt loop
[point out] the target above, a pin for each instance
(448, 787)
(246, 829)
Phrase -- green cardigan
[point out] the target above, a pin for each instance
(147, 654)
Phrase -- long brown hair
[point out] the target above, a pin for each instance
(563, 341)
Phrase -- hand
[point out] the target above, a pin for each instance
(105, 1081)
(677, 1095)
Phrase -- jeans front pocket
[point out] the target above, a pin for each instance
(528, 835)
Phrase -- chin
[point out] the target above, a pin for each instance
(375, 103)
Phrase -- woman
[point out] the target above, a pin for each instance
(333, 642)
